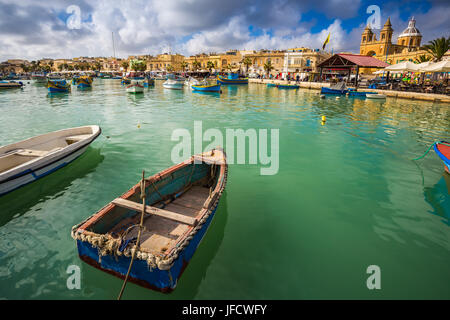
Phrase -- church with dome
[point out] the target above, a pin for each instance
(407, 47)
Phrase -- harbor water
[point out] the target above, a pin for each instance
(346, 196)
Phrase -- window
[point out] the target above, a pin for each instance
(364, 39)
(382, 36)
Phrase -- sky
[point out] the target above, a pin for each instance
(32, 29)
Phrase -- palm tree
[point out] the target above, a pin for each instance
(125, 65)
(184, 65)
(196, 65)
(247, 62)
(437, 48)
(423, 58)
(61, 66)
(169, 68)
(268, 67)
(210, 66)
(229, 67)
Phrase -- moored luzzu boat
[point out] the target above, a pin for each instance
(338, 88)
(204, 87)
(375, 96)
(135, 87)
(58, 85)
(28, 160)
(177, 206)
(84, 82)
(442, 149)
(272, 85)
(288, 86)
(149, 83)
(125, 80)
(10, 84)
(233, 78)
(172, 84)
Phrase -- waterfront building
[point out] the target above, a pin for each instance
(220, 60)
(164, 61)
(260, 58)
(407, 48)
(303, 61)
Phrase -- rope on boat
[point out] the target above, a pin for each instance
(107, 245)
(138, 241)
(429, 148)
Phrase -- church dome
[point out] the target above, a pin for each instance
(411, 30)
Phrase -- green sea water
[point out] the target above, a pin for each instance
(347, 194)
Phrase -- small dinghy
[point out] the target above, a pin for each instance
(28, 160)
(180, 203)
(10, 84)
(442, 149)
(375, 96)
(172, 84)
(135, 87)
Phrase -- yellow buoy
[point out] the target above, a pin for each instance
(139, 125)
(324, 118)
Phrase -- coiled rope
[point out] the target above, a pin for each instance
(429, 148)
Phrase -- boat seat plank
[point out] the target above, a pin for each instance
(174, 216)
(173, 207)
(77, 137)
(194, 198)
(179, 230)
(35, 153)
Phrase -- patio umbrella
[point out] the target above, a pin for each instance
(442, 66)
(405, 66)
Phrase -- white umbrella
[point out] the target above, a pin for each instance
(442, 66)
(405, 66)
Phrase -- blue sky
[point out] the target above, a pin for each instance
(33, 29)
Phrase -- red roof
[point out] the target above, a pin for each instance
(347, 59)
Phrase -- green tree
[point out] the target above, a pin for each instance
(210, 65)
(423, 58)
(61, 67)
(196, 65)
(268, 67)
(184, 65)
(70, 67)
(169, 68)
(437, 48)
(125, 64)
(247, 62)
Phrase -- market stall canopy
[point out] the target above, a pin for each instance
(346, 60)
(405, 66)
(442, 66)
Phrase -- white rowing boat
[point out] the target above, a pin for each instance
(375, 96)
(28, 160)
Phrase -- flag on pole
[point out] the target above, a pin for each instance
(326, 41)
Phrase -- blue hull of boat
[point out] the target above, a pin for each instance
(83, 86)
(231, 81)
(358, 94)
(325, 90)
(280, 86)
(156, 279)
(207, 89)
(54, 90)
(444, 159)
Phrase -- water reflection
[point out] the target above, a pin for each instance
(18, 202)
(438, 196)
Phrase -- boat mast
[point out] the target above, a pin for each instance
(114, 48)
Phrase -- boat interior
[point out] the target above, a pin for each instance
(19, 153)
(174, 206)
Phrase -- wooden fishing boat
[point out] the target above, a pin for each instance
(172, 84)
(233, 78)
(28, 160)
(272, 85)
(375, 96)
(125, 81)
(442, 149)
(149, 83)
(338, 88)
(84, 82)
(353, 93)
(10, 84)
(180, 203)
(206, 87)
(288, 86)
(58, 85)
(135, 87)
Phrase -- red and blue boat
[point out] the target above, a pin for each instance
(233, 78)
(58, 85)
(177, 206)
(442, 149)
(84, 82)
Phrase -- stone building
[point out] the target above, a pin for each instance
(303, 60)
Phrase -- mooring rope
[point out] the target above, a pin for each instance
(138, 241)
(429, 148)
